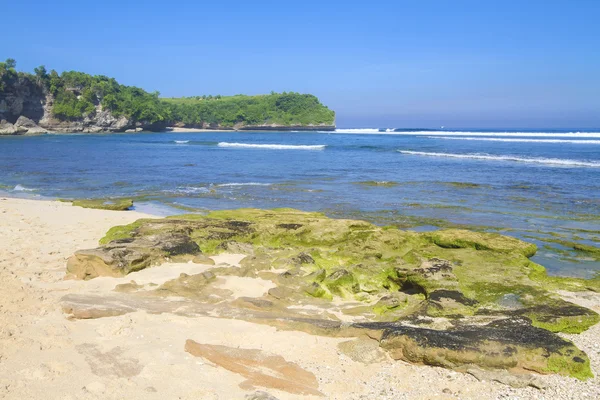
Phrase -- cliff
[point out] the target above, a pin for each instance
(78, 102)
(27, 106)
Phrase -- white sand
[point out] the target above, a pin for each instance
(43, 355)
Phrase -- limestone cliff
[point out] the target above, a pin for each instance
(26, 108)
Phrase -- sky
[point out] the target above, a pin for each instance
(456, 63)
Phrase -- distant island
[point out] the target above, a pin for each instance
(78, 102)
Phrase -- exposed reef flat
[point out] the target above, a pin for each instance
(223, 325)
(451, 298)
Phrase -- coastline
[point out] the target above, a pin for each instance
(176, 129)
(141, 355)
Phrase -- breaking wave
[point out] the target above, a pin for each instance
(359, 130)
(433, 132)
(243, 184)
(181, 141)
(272, 146)
(577, 141)
(21, 188)
(547, 161)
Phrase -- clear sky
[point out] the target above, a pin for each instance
(378, 63)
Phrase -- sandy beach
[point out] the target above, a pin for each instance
(144, 355)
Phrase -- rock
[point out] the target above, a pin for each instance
(505, 377)
(341, 282)
(390, 302)
(460, 238)
(429, 310)
(315, 290)
(202, 259)
(304, 258)
(120, 257)
(105, 204)
(365, 351)
(186, 285)
(236, 248)
(511, 343)
(28, 126)
(280, 293)
(130, 287)
(6, 128)
(253, 303)
(258, 367)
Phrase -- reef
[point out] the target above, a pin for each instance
(452, 298)
(105, 204)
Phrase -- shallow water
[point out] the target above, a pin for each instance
(540, 186)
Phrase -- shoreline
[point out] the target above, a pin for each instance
(139, 355)
(175, 129)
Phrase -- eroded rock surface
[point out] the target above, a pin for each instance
(452, 298)
(259, 368)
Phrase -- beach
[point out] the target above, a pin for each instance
(45, 353)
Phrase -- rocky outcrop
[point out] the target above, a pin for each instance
(6, 128)
(434, 298)
(126, 255)
(26, 108)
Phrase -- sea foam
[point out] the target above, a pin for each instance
(182, 141)
(272, 146)
(467, 133)
(359, 130)
(548, 161)
(243, 184)
(21, 188)
(580, 141)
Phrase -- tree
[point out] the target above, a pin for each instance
(10, 63)
(41, 74)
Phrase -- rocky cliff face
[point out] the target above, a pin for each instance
(26, 108)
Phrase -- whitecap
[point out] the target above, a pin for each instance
(188, 190)
(272, 146)
(548, 161)
(21, 188)
(581, 141)
(182, 141)
(243, 184)
(468, 133)
(358, 130)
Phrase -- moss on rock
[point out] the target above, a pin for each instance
(451, 275)
(105, 204)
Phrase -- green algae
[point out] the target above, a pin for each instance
(454, 274)
(105, 204)
(386, 184)
(576, 366)
(351, 259)
(464, 185)
(459, 239)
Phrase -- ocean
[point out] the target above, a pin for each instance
(540, 186)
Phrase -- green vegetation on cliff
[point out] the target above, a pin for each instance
(77, 95)
(281, 109)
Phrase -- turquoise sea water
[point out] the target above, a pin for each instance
(543, 187)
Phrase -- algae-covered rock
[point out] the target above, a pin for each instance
(449, 295)
(460, 238)
(510, 343)
(122, 256)
(105, 204)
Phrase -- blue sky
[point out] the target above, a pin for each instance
(425, 63)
